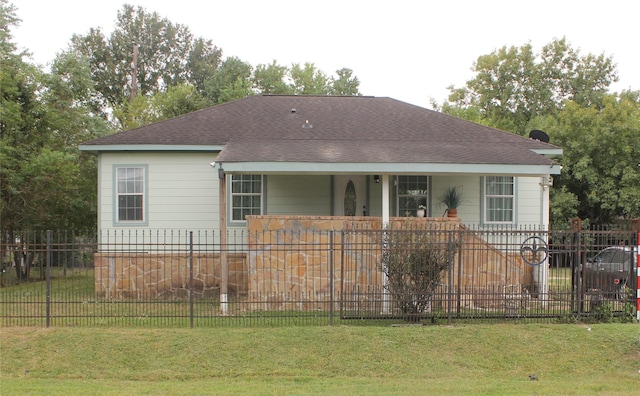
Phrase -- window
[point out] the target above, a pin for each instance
(246, 196)
(499, 199)
(412, 193)
(130, 194)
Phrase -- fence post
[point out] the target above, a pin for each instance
(638, 275)
(331, 277)
(48, 277)
(459, 286)
(576, 265)
(452, 255)
(191, 278)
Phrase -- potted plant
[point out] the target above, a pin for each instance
(451, 198)
(421, 211)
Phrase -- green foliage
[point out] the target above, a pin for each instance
(142, 110)
(270, 79)
(8, 18)
(170, 59)
(565, 94)
(603, 312)
(307, 80)
(564, 206)
(177, 100)
(513, 86)
(346, 84)
(600, 168)
(413, 263)
(232, 81)
(46, 182)
(451, 197)
(169, 55)
(629, 308)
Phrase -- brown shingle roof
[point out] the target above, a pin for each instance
(344, 129)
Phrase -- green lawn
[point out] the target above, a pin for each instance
(568, 359)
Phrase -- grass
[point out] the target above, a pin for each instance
(472, 359)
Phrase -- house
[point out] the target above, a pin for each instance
(320, 158)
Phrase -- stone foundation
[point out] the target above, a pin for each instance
(151, 276)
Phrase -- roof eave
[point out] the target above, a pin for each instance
(548, 151)
(389, 168)
(149, 147)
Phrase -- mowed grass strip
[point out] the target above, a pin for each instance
(471, 359)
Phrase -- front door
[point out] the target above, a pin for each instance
(350, 195)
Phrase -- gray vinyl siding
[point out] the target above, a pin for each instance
(182, 189)
(298, 195)
(468, 185)
(529, 201)
(528, 205)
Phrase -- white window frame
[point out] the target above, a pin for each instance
(139, 189)
(424, 197)
(239, 194)
(486, 199)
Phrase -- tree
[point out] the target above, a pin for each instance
(175, 101)
(346, 84)
(512, 86)
(20, 120)
(600, 178)
(275, 79)
(46, 181)
(308, 80)
(147, 55)
(168, 55)
(271, 79)
(231, 81)
(566, 94)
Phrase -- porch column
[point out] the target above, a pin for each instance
(385, 225)
(544, 267)
(224, 264)
(385, 201)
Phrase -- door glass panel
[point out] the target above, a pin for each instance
(350, 199)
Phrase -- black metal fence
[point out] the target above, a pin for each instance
(188, 278)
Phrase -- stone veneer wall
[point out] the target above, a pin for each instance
(165, 275)
(290, 259)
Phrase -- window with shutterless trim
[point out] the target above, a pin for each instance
(499, 199)
(130, 194)
(246, 196)
(412, 194)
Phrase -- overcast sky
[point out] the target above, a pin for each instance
(407, 50)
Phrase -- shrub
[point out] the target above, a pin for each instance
(413, 262)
